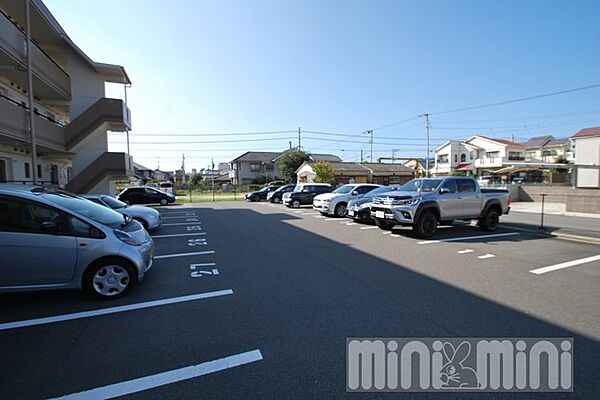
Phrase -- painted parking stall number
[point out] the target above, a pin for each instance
(194, 228)
(191, 220)
(199, 273)
(197, 242)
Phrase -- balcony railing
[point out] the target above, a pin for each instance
(13, 43)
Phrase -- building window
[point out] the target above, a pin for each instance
(463, 157)
(492, 154)
(27, 170)
(442, 158)
(456, 158)
(472, 155)
(394, 179)
(39, 170)
(515, 156)
(269, 167)
(255, 167)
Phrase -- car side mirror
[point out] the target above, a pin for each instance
(444, 190)
(355, 193)
(49, 227)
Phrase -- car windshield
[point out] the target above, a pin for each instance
(423, 185)
(84, 207)
(344, 189)
(113, 203)
(298, 188)
(380, 190)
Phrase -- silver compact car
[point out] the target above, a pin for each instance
(51, 239)
(148, 217)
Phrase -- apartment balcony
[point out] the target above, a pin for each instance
(114, 166)
(488, 162)
(50, 81)
(14, 126)
(112, 114)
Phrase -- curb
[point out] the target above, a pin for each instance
(558, 235)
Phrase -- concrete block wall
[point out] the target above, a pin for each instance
(556, 194)
(584, 200)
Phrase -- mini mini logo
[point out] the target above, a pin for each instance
(460, 364)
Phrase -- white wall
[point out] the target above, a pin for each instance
(587, 152)
(87, 86)
(15, 166)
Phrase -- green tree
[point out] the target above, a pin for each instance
(196, 179)
(324, 173)
(290, 161)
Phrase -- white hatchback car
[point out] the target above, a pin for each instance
(336, 202)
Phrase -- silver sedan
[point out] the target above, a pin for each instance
(148, 217)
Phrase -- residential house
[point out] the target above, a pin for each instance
(587, 153)
(71, 112)
(455, 156)
(419, 165)
(547, 149)
(351, 172)
(162, 176)
(247, 167)
(142, 173)
(494, 154)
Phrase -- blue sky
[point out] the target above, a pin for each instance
(213, 67)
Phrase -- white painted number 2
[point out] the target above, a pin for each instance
(194, 228)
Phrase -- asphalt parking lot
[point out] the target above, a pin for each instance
(253, 300)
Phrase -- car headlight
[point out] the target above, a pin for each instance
(364, 205)
(410, 202)
(126, 238)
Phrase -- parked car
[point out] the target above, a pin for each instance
(359, 209)
(166, 187)
(148, 217)
(304, 193)
(51, 239)
(261, 194)
(276, 195)
(423, 203)
(336, 202)
(145, 195)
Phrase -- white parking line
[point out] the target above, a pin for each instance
(395, 235)
(465, 251)
(486, 256)
(458, 239)
(369, 227)
(539, 271)
(177, 235)
(181, 223)
(351, 223)
(180, 217)
(332, 219)
(197, 253)
(319, 216)
(167, 377)
(386, 233)
(176, 215)
(112, 310)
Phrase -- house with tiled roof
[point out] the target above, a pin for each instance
(548, 149)
(454, 156)
(494, 153)
(587, 153)
(353, 172)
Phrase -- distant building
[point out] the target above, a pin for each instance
(351, 172)
(162, 176)
(143, 173)
(247, 167)
(587, 152)
(547, 149)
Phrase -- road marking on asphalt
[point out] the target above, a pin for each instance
(469, 238)
(177, 235)
(181, 223)
(369, 227)
(386, 233)
(319, 216)
(395, 235)
(539, 271)
(178, 215)
(182, 216)
(486, 256)
(193, 228)
(332, 219)
(465, 251)
(351, 223)
(197, 242)
(199, 273)
(166, 378)
(112, 310)
(298, 211)
(196, 253)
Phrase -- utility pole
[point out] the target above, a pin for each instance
(299, 138)
(426, 144)
(512, 137)
(30, 92)
(290, 144)
(394, 154)
(183, 169)
(126, 128)
(370, 132)
(361, 156)
(213, 177)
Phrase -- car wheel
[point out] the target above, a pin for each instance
(426, 226)
(489, 222)
(296, 203)
(163, 202)
(141, 221)
(385, 225)
(276, 200)
(109, 279)
(340, 210)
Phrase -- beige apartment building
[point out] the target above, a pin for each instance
(71, 111)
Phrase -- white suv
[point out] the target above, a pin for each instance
(336, 201)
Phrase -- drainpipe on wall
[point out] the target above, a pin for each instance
(34, 169)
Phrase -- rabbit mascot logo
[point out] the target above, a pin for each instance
(454, 374)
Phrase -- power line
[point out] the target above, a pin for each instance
(517, 100)
(210, 134)
(211, 142)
